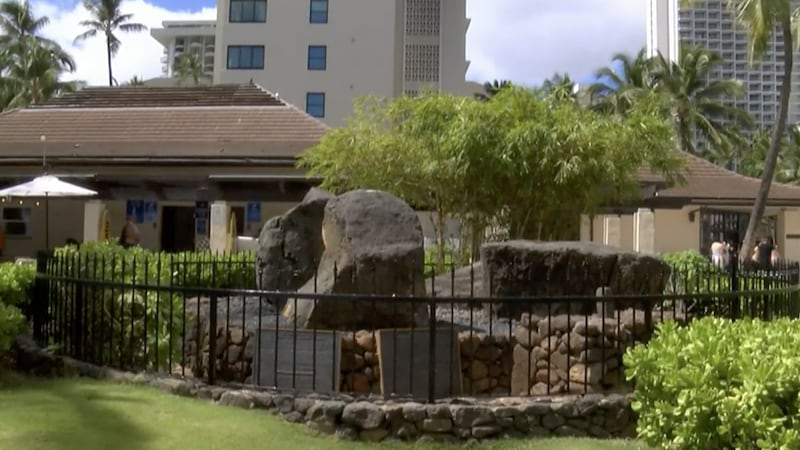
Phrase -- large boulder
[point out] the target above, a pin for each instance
(373, 245)
(290, 246)
(551, 269)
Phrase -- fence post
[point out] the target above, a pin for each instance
(212, 339)
(736, 305)
(39, 299)
(432, 349)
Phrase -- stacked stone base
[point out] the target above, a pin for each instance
(486, 361)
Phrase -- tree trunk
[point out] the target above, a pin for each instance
(108, 53)
(771, 160)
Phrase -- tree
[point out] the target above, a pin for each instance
(698, 103)
(35, 75)
(762, 18)
(520, 160)
(616, 93)
(107, 18)
(135, 81)
(31, 66)
(188, 66)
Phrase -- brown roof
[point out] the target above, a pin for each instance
(221, 121)
(710, 183)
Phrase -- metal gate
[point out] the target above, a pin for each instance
(720, 225)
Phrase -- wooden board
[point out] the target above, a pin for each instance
(405, 372)
(316, 367)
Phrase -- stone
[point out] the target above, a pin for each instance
(485, 431)
(552, 421)
(366, 340)
(406, 431)
(468, 416)
(364, 415)
(347, 433)
(568, 268)
(478, 370)
(462, 282)
(290, 246)
(437, 425)
(293, 417)
(569, 431)
(236, 399)
(586, 374)
(373, 244)
(527, 337)
(414, 412)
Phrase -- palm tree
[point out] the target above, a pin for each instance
(30, 65)
(617, 92)
(35, 76)
(560, 87)
(135, 81)
(762, 18)
(188, 66)
(698, 104)
(492, 88)
(18, 23)
(107, 18)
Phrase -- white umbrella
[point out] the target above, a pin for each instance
(46, 186)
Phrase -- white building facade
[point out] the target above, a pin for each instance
(322, 55)
(712, 25)
(181, 36)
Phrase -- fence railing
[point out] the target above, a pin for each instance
(430, 338)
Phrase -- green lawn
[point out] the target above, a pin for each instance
(86, 415)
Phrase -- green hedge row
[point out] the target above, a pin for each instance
(15, 287)
(718, 384)
(106, 260)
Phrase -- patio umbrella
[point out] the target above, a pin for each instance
(46, 186)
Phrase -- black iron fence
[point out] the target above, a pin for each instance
(424, 338)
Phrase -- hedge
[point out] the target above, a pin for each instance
(718, 384)
(15, 287)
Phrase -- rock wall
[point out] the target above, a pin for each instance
(465, 419)
(486, 361)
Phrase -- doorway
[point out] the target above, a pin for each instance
(177, 228)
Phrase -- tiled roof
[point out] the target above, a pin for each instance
(135, 122)
(706, 181)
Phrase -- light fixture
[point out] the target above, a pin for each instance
(20, 202)
(37, 203)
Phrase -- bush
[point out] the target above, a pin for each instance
(718, 384)
(135, 322)
(16, 280)
(15, 288)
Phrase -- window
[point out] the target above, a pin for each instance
(319, 11)
(248, 11)
(17, 221)
(317, 57)
(245, 57)
(315, 104)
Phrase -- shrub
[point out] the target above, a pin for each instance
(126, 326)
(718, 384)
(12, 322)
(16, 280)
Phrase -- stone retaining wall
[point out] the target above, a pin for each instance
(371, 419)
(465, 419)
(486, 361)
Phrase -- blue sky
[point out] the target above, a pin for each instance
(525, 41)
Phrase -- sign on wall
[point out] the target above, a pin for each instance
(135, 211)
(253, 213)
(150, 214)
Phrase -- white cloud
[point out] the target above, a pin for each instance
(522, 40)
(139, 54)
(527, 41)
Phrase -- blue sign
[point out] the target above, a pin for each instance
(150, 212)
(135, 211)
(201, 227)
(253, 213)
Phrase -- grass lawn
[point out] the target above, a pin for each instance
(84, 414)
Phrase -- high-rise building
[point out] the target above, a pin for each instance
(321, 55)
(181, 36)
(711, 24)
